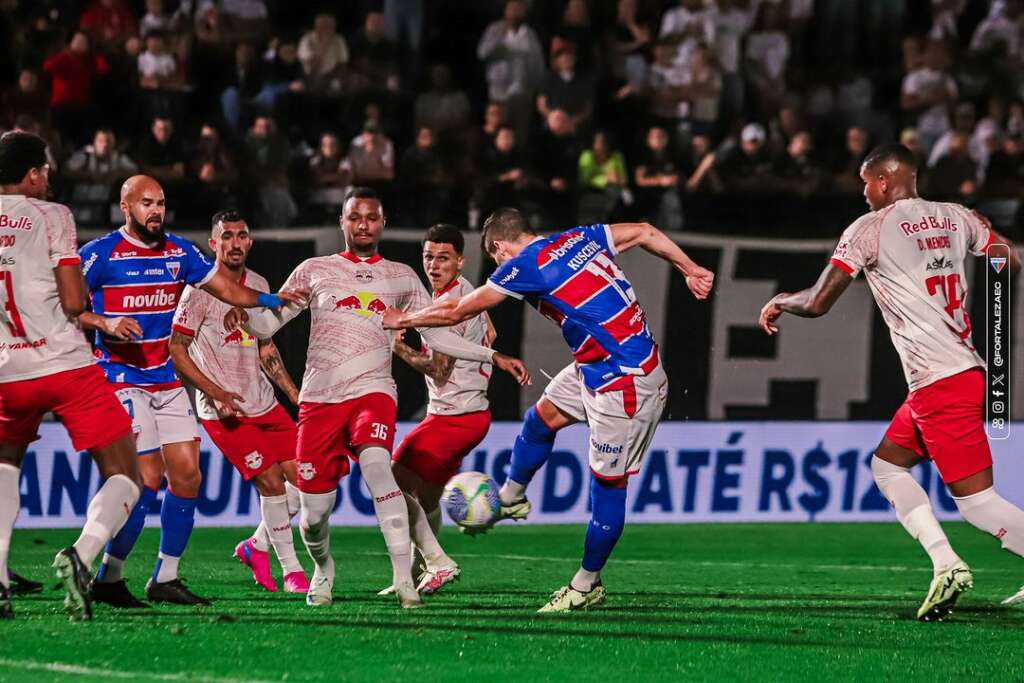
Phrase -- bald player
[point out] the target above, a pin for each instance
(912, 253)
(136, 275)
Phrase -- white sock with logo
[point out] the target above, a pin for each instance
(423, 536)
(10, 504)
(261, 537)
(392, 512)
(315, 528)
(914, 511)
(108, 511)
(992, 513)
(278, 525)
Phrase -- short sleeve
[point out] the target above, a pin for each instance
(198, 268)
(92, 265)
(61, 237)
(602, 234)
(517, 278)
(858, 247)
(191, 312)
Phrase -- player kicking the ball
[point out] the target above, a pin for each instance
(347, 403)
(912, 253)
(46, 365)
(238, 409)
(616, 384)
(458, 414)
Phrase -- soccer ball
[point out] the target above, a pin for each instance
(471, 499)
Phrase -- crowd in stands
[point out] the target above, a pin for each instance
(575, 110)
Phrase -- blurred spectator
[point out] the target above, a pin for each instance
(99, 169)
(797, 169)
(699, 167)
(666, 88)
(266, 171)
(630, 38)
(109, 23)
(704, 87)
(912, 141)
(246, 20)
(375, 56)
(846, 178)
(403, 21)
(927, 92)
(426, 181)
(786, 123)
(324, 56)
(603, 180)
(371, 158)
(442, 108)
(72, 72)
(514, 60)
(503, 174)
(687, 26)
(556, 155)
(156, 19)
(964, 123)
(328, 176)
(767, 55)
(566, 89)
(158, 69)
(1001, 34)
(955, 176)
(575, 30)
(25, 97)
(160, 153)
(945, 19)
(245, 88)
(732, 22)
(1005, 175)
(657, 181)
(748, 166)
(212, 163)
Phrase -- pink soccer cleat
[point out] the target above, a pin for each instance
(433, 581)
(296, 582)
(258, 561)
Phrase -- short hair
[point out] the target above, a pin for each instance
(362, 193)
(226, 216)
(505, 224)
(888, 152)
(19, 152)
(446, 233)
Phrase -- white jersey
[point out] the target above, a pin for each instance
(912, 254)
(36, 337)
(466, 388)
(231, 359)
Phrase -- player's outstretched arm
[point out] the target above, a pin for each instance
(628, 235)
(453, 345)
(437, 366)
(809, 303)
(230, 292)
(223, 401)
(445, 313)
(273, 367)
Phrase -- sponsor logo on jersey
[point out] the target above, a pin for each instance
(605, 448)
(306, 470)
(998, 263)
(511, 276)
(7, 261)
(173, 267)
(364, 275)
(253, 460)
(153, 271)
(363, 304)
(19, 223)
(240, 337)
(131, 273)
(89, 261)
(559, 248)
(939, 263)
(928, 223)
(141, 298)
(8, 240)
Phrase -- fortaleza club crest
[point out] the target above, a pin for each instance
(174, 267)
(364, 304)
(998, 263)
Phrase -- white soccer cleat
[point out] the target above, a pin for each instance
(517, 510)
(1015, 598)
(390, 590)
(321, 588)
(433, 580)
(944, 592)
(408, 598)
(568, 599)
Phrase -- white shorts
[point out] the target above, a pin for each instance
(159, 417)
(621, 422)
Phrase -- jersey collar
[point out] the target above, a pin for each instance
(369, 260)
(448, 287)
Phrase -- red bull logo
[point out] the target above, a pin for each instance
(364, 304)
(240, 337)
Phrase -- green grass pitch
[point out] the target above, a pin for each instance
(695, 602)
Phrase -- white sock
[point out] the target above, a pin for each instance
(994, 514)
(584, 580)
(107, 513)
(292, 493)
(261, 537)
(10, 504)
(114, 571)
(511, 492)
(277, 523)
(392, 512)
(434, 518)
(914, 511)
(315, 528)
(423, 536)
(168, 568)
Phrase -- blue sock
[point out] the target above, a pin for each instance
(177, 517)
(124, 540)
(532, 448)
(606, 523)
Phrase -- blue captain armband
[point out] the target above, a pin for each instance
(269, 300)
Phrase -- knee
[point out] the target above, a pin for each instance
(885, 472)
(269, 483)
(311, 518)
(184, 480)
(535, 428)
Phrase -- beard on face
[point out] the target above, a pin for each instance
(150, 231)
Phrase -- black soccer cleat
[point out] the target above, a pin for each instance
(115, 594)
(22, 586)
(75, 577)
(174, 592)
(6, 611)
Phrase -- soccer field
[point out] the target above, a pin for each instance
(757, 601)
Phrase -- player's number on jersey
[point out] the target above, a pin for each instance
(607, 270)
(379, 430)
(949, 286)
(13, 317)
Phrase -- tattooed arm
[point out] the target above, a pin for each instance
(273, 366)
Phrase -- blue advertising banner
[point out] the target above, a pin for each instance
(693, 472)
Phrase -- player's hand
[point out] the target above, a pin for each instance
(235, 318)
(769, 314)
(391, 319)
(699, 281)
(225, 403)
(294, 296)
(122, 327)
(514, 367)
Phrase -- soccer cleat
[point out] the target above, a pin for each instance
(568, 599)
(321, 587)
(1015, 598)
(22, 586)
(73, 573)
(259, 562)
(408, 598)
(296, 582)
(115, 594)
(174, 592)
(433, 581)
(944, 592)
(6, 611)
(517, 510)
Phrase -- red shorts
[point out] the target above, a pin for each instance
(435, 448)
(254, 444)
(944, 422)
(330, 434)
(82, 398)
